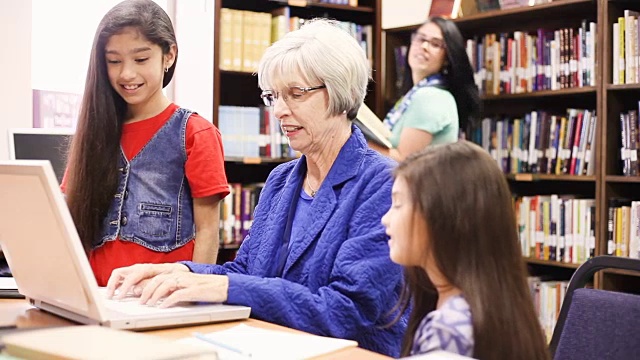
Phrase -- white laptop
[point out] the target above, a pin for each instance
(45, 256)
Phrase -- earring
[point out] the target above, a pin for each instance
(166, 69)
(445, 71)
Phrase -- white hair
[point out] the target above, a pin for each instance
(322, 54)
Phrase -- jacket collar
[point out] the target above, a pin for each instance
(345, 167)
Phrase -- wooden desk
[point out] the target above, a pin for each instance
(23, 315)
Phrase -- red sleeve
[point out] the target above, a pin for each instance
(63, 183)
(205, 159)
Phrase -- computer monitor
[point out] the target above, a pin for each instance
(41, 144)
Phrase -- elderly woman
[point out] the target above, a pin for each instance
(317, 257)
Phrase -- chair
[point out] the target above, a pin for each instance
(598, 324)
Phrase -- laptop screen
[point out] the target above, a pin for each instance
(41, 144)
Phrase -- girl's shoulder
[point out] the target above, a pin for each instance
(196, 123)
(456, 305)
(448, 328)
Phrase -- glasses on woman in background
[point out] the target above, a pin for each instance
(434, 44)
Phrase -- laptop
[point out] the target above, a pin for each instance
(46, 258)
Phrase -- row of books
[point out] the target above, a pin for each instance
(236, 212)
(623, 228)
(520, 62)
(252, 132)
(547, 300)
(338, 2)
(541, 142)
(245, 35)
(630, 140)
(626, 56)
(556, 227)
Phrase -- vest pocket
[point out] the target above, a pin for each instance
(154, 219)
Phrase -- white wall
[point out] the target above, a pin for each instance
(62, 41)
(193, 82)
(398, 13)
(15, 62)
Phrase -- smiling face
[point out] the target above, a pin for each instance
(426, 56)
(406, 230)
(303, 115)
(135, 68)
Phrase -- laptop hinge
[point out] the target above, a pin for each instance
(56, 310)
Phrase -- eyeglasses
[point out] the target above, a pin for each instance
(295, 93)
(433, 43)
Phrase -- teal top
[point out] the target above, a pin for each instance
(433, 110)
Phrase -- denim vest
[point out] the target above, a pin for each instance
(153, 205)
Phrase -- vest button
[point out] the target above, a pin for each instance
(126, 194)
(123, 221)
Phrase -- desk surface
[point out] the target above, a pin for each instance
(21, 314)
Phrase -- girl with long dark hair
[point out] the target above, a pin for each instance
(145, 176)
(452, 226)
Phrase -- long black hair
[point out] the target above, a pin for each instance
(92, 177)
(457, 72)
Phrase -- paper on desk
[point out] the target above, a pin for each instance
(8, 283)
(270, 344)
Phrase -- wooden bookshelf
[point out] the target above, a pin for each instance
(623, 87)
(529, 260)
(549, 177)
(365, 9)
(621, 272)
(555, 15)
(526, 15)
(234, 84)
(616, 99)
(622, 179)
(543, 93)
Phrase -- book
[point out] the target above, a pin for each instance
(246, 341)
(468, 7)
(372, 127)
(445, 8)
(96, 342)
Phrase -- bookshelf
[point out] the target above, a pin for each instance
(603, 181)
(553, 15)
(234, 88)
(607, 97)
(618, 97)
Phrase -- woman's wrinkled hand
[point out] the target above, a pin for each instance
(132, 279)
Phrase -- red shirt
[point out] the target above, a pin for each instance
(204, 169)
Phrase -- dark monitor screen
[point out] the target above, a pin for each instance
(41, 144)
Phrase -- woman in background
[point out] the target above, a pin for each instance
(452, 226)
(441, 95)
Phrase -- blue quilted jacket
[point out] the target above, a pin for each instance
(338, 279)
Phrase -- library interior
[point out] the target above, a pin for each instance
(557, 84)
